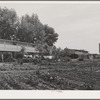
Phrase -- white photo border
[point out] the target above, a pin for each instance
(50, 94)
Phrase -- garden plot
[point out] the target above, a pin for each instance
(83, 75)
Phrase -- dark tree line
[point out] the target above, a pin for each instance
(62, 54)
(26, 29)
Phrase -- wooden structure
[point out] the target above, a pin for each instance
(79, 53)
(16, 46)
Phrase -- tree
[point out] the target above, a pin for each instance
(50, 36)
(33, 31)
(56, 52)
(28, 28)
(66, 52)
(8, 23)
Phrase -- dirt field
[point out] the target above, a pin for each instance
(78, 75)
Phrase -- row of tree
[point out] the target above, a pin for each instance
(66, 53)
(28, 28)
(62, 54)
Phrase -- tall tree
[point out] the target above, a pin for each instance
(50, 36)
(33, 31)
(8, 23)
(30, 29)
(26, 29)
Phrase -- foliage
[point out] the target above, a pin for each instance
(8, 23)
(33, 31)
(63, 76)
(62, 54)
(28, 28)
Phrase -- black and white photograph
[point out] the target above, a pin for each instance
(49, 46)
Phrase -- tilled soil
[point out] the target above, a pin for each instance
(79, 75)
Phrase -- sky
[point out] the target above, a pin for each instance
(78, 24)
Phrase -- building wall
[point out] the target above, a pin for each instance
(79, 53)
(7, 45)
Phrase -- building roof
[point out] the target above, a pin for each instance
(16, 46)
(16, 42)
(84, 51)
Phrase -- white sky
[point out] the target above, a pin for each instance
(78, 25)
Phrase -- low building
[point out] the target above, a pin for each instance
(78, 53)
(16, 46)
(13, 47)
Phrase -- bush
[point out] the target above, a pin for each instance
(20, 61)
(74, 56)
(80, 59)
(26, 60)
(19, 55)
